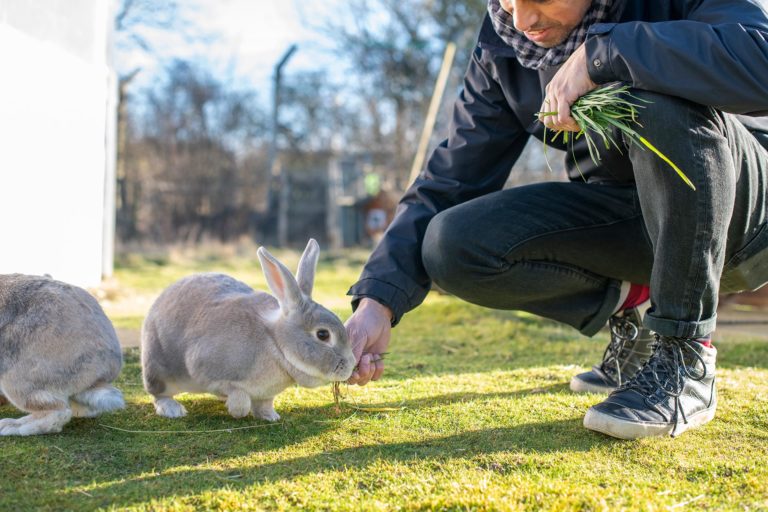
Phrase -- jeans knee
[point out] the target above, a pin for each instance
(652, 102)
(659, 111)
(441, 248)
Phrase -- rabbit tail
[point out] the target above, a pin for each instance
(96, 400)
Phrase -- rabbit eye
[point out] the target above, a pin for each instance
(323, 334)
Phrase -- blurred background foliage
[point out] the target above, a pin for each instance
(197, 156)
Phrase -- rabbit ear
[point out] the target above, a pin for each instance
(305, 276)
(280, 281)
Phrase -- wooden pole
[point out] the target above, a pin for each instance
(434, 108)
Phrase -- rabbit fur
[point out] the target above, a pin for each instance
(58, 354)
(209, 333)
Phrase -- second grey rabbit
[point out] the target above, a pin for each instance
(209, 333)
(58, 354)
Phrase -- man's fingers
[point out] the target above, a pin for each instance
(365, 379)
(561, 120)
(361, 374)
(564, 119)
(547, 106)
(379, 369)
(370, 367)
(365, 370)
(364, 365)
(358, 338)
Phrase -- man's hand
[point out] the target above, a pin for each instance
(369, 329)
(569, 84)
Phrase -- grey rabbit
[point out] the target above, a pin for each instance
(209, 333)
(58, 355)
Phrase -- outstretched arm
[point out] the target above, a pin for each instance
(485, 139)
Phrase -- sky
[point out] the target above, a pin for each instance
(256, 34)
(247, 39)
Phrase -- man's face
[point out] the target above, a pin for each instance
(546, 22)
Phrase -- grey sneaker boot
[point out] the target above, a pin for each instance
(626, 353)
(675, 391)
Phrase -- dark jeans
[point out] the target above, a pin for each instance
(561, 250)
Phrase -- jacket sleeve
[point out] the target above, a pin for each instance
(485, 139)
(717, 55)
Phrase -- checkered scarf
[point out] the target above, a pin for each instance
(532, 56)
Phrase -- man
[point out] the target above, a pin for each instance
(593, 250)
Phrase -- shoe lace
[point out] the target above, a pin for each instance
(666, 371)
(624, 332)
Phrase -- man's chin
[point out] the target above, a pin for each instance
(547, 42)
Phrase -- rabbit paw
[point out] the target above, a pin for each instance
(45, 422)
(6, 425)
(268, 415)
(265, 411)
(169, 408)
(239, 404)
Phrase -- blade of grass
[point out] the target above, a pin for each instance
(601, 110)
(671, 164)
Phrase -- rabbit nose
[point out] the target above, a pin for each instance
(344, 368)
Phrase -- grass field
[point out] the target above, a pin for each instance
(478, 417)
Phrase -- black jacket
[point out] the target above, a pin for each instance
(712, 52)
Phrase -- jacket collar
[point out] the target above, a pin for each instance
(490, 40)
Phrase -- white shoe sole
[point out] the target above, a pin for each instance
(622, 429)
(580, 386)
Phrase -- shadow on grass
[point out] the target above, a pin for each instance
(551, 436)
(453, 398)
(121, 469)
(87, 453)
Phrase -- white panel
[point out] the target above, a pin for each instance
(52, 134)
(72, 25)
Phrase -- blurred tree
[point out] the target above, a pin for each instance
(314, 117)
(135, 24)
(192, 148)
(196, 160)
(134, 17)
(394, 48)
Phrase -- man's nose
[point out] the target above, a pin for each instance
(524, 15)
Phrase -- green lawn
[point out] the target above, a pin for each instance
(479, 417)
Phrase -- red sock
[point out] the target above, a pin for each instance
(638, 293)
(707, 342)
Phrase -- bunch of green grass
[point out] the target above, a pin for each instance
(601, 110)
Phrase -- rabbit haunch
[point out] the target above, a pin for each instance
(211, 333)
(58, 354)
